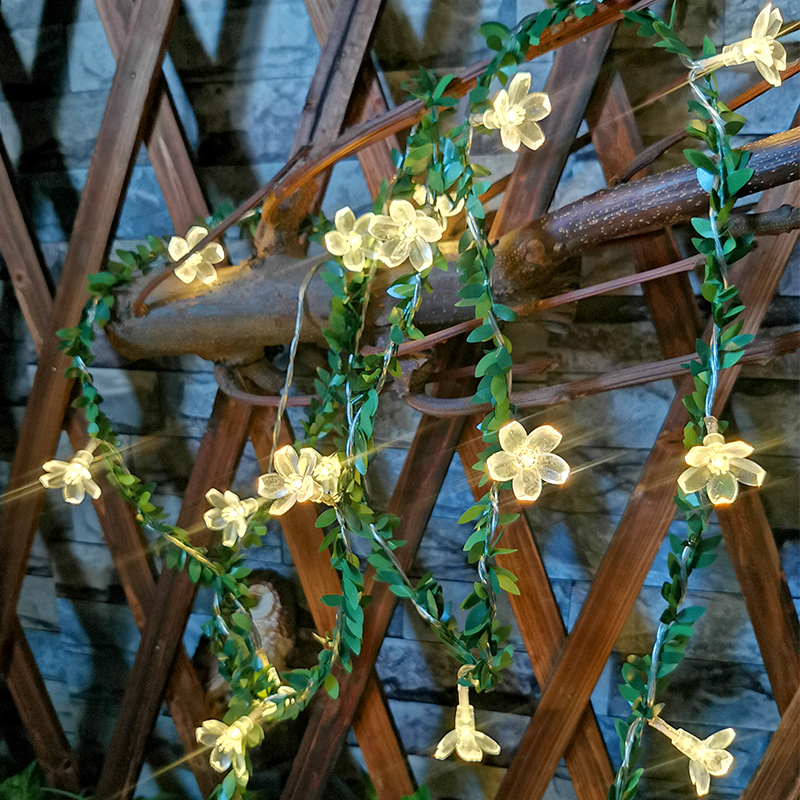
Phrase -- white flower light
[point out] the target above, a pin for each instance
(229, 743)
(405, 234)
(515, 113)
(468, 743)
(768, 55)
(229, 514)
(73, 477)
(293, 482)
(350, 240)
(200, 265)
(707, 757)
(527, 460)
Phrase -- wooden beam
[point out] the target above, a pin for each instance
(426, 465)
(748, 538)
(542, 628)
(778, 774)
(102, 195)
(39, 716)
(219, 453)
(372, 724)
(631, 552)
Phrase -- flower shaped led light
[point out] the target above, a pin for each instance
(405, 233)
(719, 467)
(200, 265)
(326, 473)
(269, 707)
(351, 239)
(469, 744)
(293, 482)
(515, 113)
(72, 477)
(761, 48)
(527, 459)
(444, 204)
(229, 743)
(707, 757)
(229, 514)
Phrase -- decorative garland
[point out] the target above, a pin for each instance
(341, 419)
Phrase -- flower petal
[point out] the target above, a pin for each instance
(213, 253)
(747, 471)
(283, 504)
(518, 88)
(286, 461)
(177, 248)
(402, 211)
(272, 486)
(699, 455)
(429, 229)
(420, 254)
(537, 106)
(240, 768)
(216, 498)
(487, 744)
(762, 22)
(395, 252)
(736, 449)
(307, 460)
(185, 272)
(501, 105)
(344, 220)
(509, 136)
(770, 74)
(552, 468)
(468, 749)
(694, 479)
(700, 778)
(512, 436)
(92, 488)
(722, 489)
(527, 485)
(74, 493)
(543, 439)
(354, 261)
(721, 739)
(384, 228)
(210, 731)
(336, 244)
(220, 761)
(501, 466)
(530, 134)
(489, 119)
(446, 745)
(205, 273)
(213, 519)
(195, 234)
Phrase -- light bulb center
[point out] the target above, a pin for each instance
(525, 458)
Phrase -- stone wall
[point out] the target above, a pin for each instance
(239, 83)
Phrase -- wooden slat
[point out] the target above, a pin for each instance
(778, 774)
(165, 138)
(216, 462)
(376, 162)
(748, 538)
(425, 465)
(542, 629)
(39, 716)
(526, 196)
(108, 174)
(373, 726)
(631, 553)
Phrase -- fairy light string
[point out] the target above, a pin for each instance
(715, 467)
(341, 420)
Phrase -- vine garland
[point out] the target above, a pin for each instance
(341, 420)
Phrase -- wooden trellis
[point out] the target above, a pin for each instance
(345, 91)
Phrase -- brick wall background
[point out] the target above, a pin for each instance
(239, 81)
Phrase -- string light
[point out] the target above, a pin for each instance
(406, 233)
(73, 477)
(515, 113)
(760, 47)
(199, 266)
(351, 240)
(469, 744)
(527, 459)
(229, 514)
(228, 744)
(718, 467)
(707, 757)
(294, 480)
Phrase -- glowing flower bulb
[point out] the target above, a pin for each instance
(468, 743)
(326, 473)
(707, 757)
(199, 265)
(229, 743)
(527, 460)
(716, 466)
(229, 514)
(406, 233)
(350, 240)
(515, 113)
(444, 204)
(73, 477)
(293, 481)
(761, 48)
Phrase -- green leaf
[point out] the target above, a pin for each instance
(241, 621)
(195, 570)
(690, 614)
(332, 686)
(737, 180)
(700, 160)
